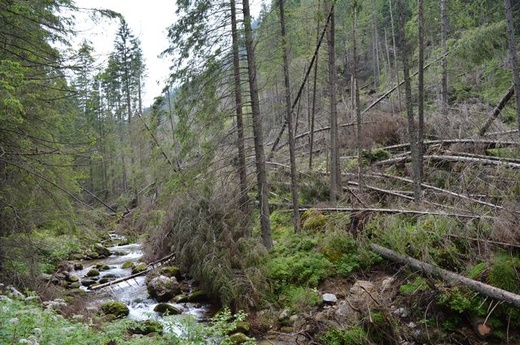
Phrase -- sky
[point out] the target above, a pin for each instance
(148, 21)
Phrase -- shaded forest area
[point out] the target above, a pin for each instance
(324, 147)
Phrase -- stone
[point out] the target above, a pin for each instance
(88, 282)
(102, 267)
(101, 250)
(163, 288)
(238, 338)
(182, 298)
(138, 267)
(166, 308)
(117, 309)
(285, 314)
(197, 296)
(127, 264)
(71, 278)
(170, 271)
(329, 298)
(402, 312)
(242, 327)
(78, 266)
(73, 285)
(93, 273)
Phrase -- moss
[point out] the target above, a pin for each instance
(93, 273)
(117, 309)
(170, 271)
(166, 308)
(314, 220)
(127, 264)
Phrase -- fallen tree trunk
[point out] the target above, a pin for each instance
(426, 268)
(389, 210)
(500, 106)
(148, 269)
(441, 190)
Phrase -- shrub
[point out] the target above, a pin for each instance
(353, 336)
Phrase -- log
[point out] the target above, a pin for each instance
(431, 270)
(148, 269)
(500, 106)
(389, 210)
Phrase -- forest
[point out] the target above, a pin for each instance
(328, 172)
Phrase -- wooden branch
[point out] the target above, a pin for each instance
(500, 106)
(489, 144)
(483, 161)
(444, 191)
(428, 269)
(388, 210)
(148, 269)
(98, 199)
(386, 94)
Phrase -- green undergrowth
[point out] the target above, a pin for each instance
(450, 244)
(26, 322)
(299, 262)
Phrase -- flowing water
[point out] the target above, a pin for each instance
(132, 292)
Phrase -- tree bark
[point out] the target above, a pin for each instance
(420, 79)
(289, 120)
(261, 174)
(431, 270)
(241, 164)
(335, 185)
(412, 128)
(500, 106)
(512, 55)
(444, 64)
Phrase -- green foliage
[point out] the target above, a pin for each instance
(352, 336)
(503, 272)
(313, 220)
(461, 301)
(298, 298)
(218, 331)
(424, 238)
(208, 233)
(419, 284)
(375, 155)
(302, 268)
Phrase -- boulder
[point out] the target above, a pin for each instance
(238, 338)
(117, 309)
(197, 296)
(127, 264)
(329, 298)
(163, 288)
(138, 267)
(166, 308)
(102, 251)
(170, 271)
(93, 273)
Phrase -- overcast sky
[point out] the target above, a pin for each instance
(148, 20)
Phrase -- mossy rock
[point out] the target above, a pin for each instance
(88, 282)
(170, 271)
(73, 285)
(93, 273)
(101, 250)
(117, 309)
(166, 308)
(163, 288)
(314, 220)
(102, 267)
(127, 264)
(242, 327)
(139, 267)
(183, 298)
(197, 296)
(147, 327)
(72, 278)
(76, 293)
(238, 338)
